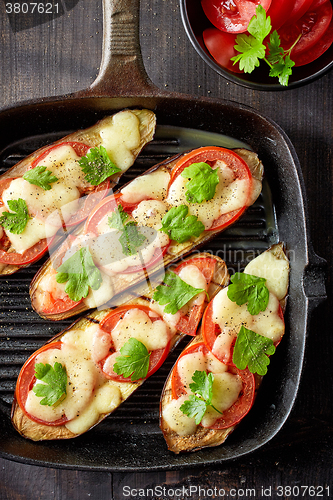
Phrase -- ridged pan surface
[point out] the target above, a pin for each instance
(130, 439)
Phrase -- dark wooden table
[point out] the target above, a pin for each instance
(40, 57)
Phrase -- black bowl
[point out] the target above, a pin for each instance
(195, 22)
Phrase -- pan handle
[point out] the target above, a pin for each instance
(121, 71)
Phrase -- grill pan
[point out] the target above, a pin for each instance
(130, 439)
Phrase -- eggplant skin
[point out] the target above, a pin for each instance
(89, 136)
(41, 432)
(176, 250)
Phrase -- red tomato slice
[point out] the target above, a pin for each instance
(80, 149)
(299, 9)
(210, 154)
(28, 257)
(232, 16)
(59, 305)
(26, 380)
(279, 12)
(308, 56)
(312, 26)
(157, 357)
(188, 324)
(221, 46)
(239, 409)
(109, 205)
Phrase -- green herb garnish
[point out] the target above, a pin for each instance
(80, 273)
(15, 221)
(252, 48)
(201, 397)
(251, 289)
(134, 360)
(131, 239)
(40, 176)
(179, 226)
(174, 292)
(252, 350)
(53, 390)
(202, 182)
(97, 166)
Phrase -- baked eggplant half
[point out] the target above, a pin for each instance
(58, 186)
(83, 374)
(213, 384)
(154, 220)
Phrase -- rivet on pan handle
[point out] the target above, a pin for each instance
(122, 72)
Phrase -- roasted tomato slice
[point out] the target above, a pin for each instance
(26, 380)
(232, 16)
(28, 257)
(188, 324)
(239, 409)
(311, 28)
(157, 357)
(109, 205)
(210, 155)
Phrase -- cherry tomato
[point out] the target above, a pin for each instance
(109, 205)
(210, 154)
(239, 409)
(232, 16)
(157, 357)
(26, 380)
(299, 9)
(312, 26)
(188, 324)
(221, 46)
(279, 12)
(307, 56)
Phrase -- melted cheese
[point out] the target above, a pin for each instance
(137, 324)
(82, 375)
(231, 194)
(176, 419)
(153, 185)
(120, 137)
(150, 213)
(275, 270)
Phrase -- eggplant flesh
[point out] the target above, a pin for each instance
(124, 281)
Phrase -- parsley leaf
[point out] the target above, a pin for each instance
(251, 289)
(40, 176)
(202, 182)
(16, 220)
(252, 48)
(97, 166)
(134, 360)
(202, 389)
(179, 226)
(117, 218)
(131, 239)
(81, 273)
(174, 292)
(252, 350)
(55, 380)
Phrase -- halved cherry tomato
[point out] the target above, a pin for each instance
(299, 9)
(308, 56)
(109, 205)
(210, 155)
(26, 380)
(232, 16)
(157, 357)
(188, 324)
(279, 12)
(239, 409)
(221, 46)
(311, 26)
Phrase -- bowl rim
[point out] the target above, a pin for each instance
(233, 77)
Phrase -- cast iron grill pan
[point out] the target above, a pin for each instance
(130, 439)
